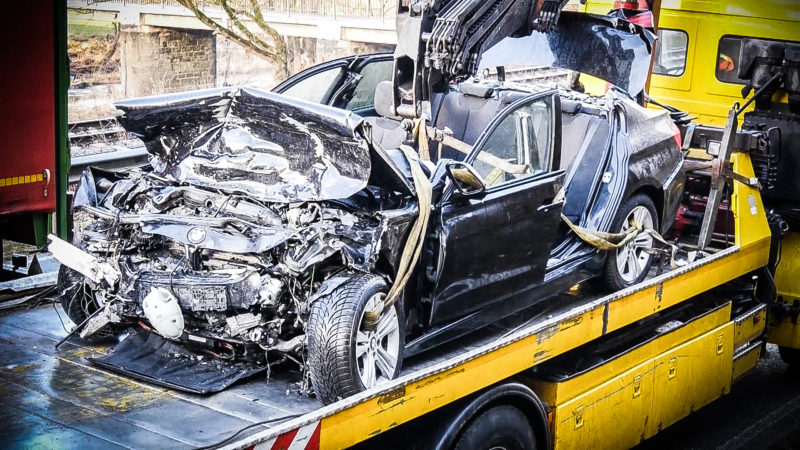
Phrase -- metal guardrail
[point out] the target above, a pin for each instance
(356, 9)
(102, 143)
(121, 158)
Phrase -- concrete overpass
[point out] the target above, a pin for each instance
(370, 24)
(165, 48)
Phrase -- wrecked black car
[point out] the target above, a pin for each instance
(269, 229)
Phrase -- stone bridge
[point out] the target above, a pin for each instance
(165, 48)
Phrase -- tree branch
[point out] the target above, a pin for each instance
(258, 18)
(248, 44)
(232, 15)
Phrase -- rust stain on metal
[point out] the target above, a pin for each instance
(440, 377)
(435, 397)
(569, 323)
(391, 396)
(546, 334)
(659, 291)
(385, 408)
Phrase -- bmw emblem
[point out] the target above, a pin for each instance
(196, 235)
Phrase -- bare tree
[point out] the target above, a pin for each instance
(246, 26)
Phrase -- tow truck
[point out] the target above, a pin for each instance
(587, 368)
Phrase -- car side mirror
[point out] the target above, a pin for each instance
(465, 178)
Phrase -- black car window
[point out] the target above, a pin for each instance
(520, 144)
(371, 75)
(314, 88)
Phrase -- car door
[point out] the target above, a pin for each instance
(496, 245)
(347, 83)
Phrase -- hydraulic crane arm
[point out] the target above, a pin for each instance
(441, 40)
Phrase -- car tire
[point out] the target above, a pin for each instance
(340, 352)
(501, 426)
(78, 301)
(631, 263)
(790, 356)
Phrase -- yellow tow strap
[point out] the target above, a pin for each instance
(613, 241)
(413, 245)
(420, 133)
(602, 240)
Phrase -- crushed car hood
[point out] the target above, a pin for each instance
(260, 144)
(605, 47)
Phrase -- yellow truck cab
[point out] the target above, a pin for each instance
(696, 60)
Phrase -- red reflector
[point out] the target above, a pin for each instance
(284, 441)
(313, 443)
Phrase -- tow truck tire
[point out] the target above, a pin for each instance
(615, 275)
(335, 324)
(499, 427)
(78, 300)
(790, 356)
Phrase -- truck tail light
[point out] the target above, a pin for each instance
(676, 134)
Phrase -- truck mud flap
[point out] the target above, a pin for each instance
(149, 357)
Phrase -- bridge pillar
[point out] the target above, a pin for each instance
(156, 60)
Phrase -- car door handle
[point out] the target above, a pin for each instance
(547, 207)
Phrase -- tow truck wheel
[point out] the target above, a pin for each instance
(78, 300)
(630, 263)
(499, 427)
(790, 356)
(344, 357)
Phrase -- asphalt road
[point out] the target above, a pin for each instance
(761, 412)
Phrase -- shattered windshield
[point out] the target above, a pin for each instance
(608, 48)
(251, 142)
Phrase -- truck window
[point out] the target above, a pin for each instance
(728, 54)
(671, 51)
(727, 68)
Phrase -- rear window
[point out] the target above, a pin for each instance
(671, 52)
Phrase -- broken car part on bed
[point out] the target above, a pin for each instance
(270, 230)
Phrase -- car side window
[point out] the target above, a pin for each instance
(316, 87)
(371, 75)
(519, 145)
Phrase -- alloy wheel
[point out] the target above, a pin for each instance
(378, 350)
(633, 257)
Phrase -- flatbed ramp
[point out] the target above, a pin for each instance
(55, 398)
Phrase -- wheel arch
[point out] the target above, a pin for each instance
(511, 393)
(658, 196)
